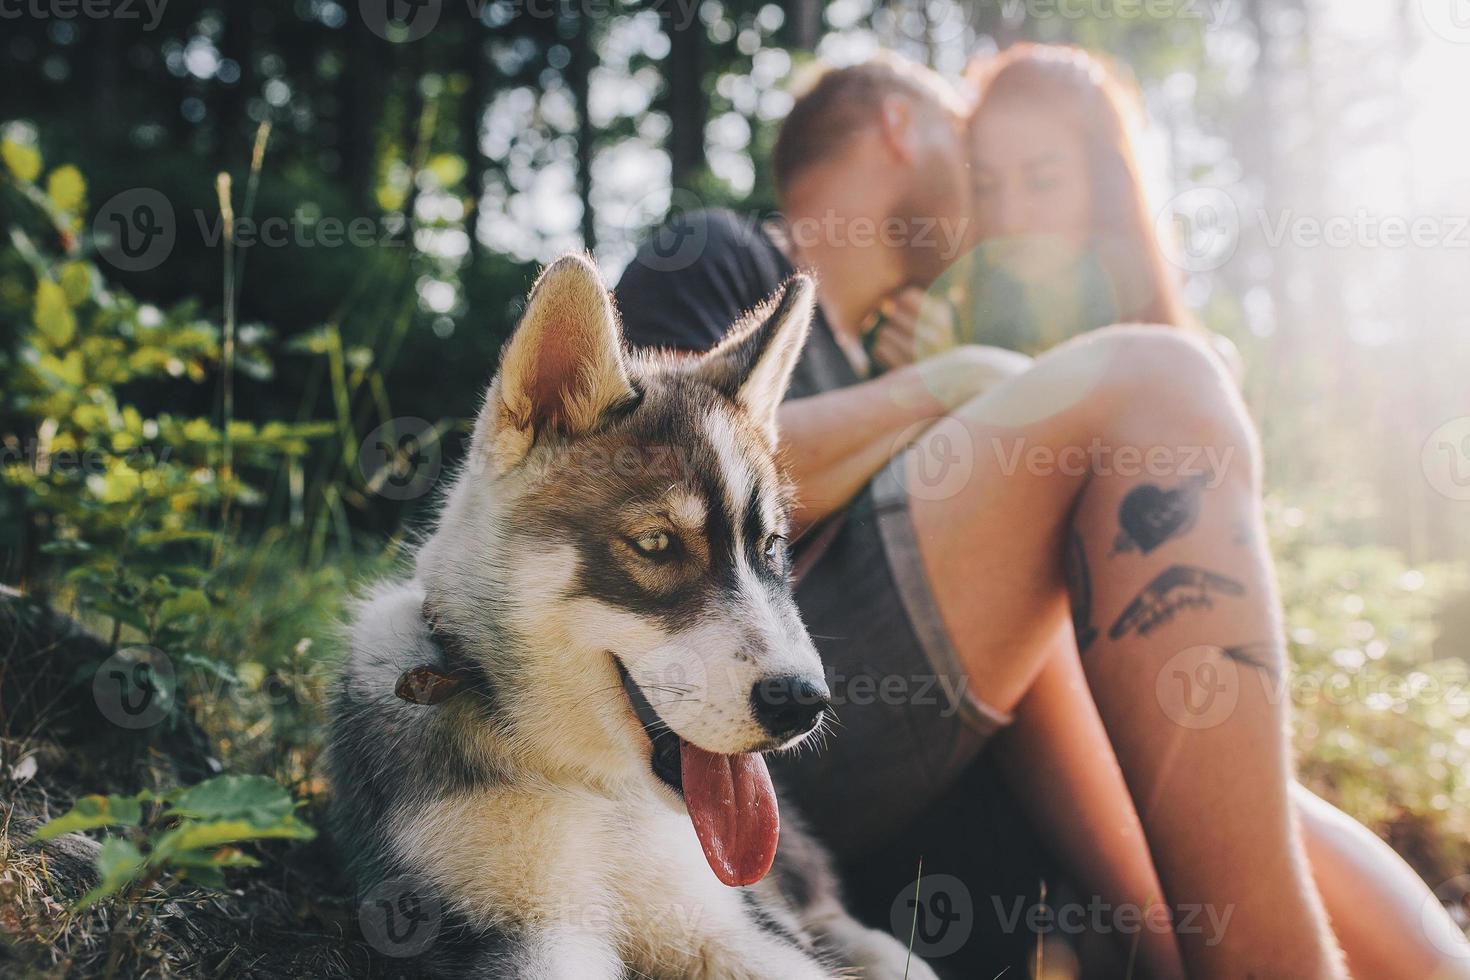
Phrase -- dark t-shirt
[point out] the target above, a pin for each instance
(694, 278)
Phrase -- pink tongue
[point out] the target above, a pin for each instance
(732, 805)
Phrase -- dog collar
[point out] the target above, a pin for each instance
(438, 682)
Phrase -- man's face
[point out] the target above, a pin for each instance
(937, 201)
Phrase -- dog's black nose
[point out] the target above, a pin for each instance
(788, 706)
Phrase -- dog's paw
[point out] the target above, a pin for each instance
(876, 955)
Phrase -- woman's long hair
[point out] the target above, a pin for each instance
(1091, 99)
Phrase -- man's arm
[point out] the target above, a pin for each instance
(833, 443)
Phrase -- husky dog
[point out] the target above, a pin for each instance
(605, 598)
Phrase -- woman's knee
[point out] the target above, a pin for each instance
(1151, 356)
(1167, 380)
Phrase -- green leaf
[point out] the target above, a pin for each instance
(68, 370)
(54, 318)
(23, 161)
(256, 799)
(67, 189)
(225, 857)
(156, 539)
(193, 835)
(119, 863)
(205, 876)
(66, 546)
(76, 282)
(316, 341)
(189, 602)
(128, 614)
(206, 868)
(91, 812)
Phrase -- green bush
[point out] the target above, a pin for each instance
(129, 518)
(188, 833)
(1381, 723)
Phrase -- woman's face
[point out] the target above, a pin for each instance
(1033, 198)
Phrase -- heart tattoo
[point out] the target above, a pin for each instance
(1151, 515)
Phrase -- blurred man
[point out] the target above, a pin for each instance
(950, 549)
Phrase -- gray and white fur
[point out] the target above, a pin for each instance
(617, 533)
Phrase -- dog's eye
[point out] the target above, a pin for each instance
(654, 544)
(775, 552)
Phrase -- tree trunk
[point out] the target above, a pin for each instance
(804, 23)
(579, 77)
(360, 96)
(472, 105)
(413, 135)
(236, 135)
(684, 98)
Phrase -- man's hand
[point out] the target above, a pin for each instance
(912, 325)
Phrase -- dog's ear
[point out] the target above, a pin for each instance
(753, 363)
(563, 367)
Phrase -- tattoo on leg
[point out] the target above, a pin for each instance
(1151, 515)
(1251, 655)
(1175, 589)
(1079, 587)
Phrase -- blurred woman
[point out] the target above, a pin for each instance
(1064, 244)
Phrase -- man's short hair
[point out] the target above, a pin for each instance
(835, 103)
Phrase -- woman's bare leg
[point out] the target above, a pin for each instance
(1051, 457)
(1389, 923)
(1056, 756)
